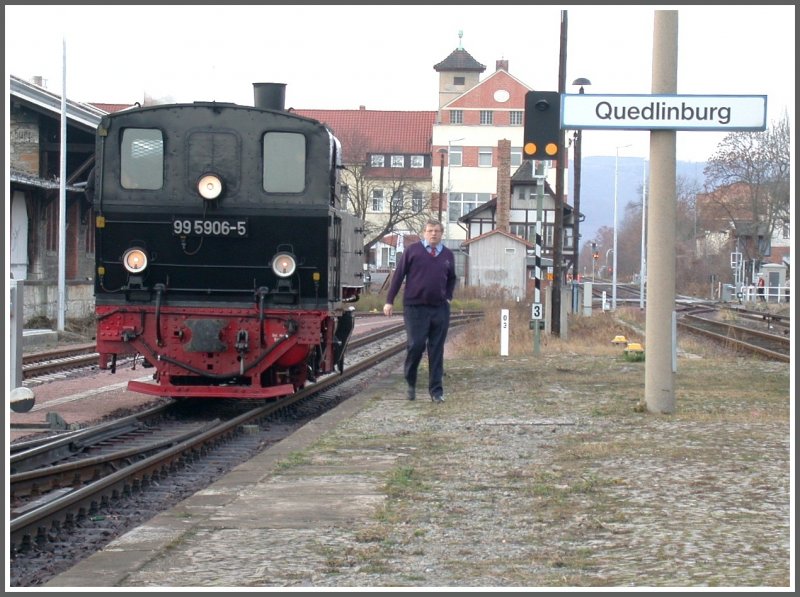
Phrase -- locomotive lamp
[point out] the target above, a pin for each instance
(284, 265)
(134, 260)
(209, 186)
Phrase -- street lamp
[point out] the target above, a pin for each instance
(442, 151)
(577, 187)
(614, 271)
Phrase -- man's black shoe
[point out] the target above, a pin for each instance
(410, 393)
(437, 398)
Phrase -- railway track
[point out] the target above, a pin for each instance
(739, 337)
(59, 483)
(61, 359)
(756, 332)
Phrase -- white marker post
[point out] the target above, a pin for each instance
(504, 332)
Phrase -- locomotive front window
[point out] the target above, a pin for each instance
(142, 159)
(284, 162)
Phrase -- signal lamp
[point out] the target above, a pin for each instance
(135, 260)
(284, 265)
(542, 126)
(209, 186)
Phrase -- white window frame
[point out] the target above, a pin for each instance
(376, 160)
(377, 200)
(487, 117)
(398, 161)
(456, 155)
(398, 199)
(483, 153)
(417, 200)
(516, 117)
(456, 116)
(516, 157)
(417, 161)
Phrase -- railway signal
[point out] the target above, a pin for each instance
(542, 125)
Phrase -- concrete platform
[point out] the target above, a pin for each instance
(36, 338)
(256, 507)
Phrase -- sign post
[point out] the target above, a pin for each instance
(504, 332)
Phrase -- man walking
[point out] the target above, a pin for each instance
(428, 268)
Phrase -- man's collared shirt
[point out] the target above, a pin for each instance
(427, 246)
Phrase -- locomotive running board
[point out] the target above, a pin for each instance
(238, 392)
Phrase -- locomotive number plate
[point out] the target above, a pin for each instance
(214, 227)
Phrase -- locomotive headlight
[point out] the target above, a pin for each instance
(209, 186)
(284, 265)
(135, 260)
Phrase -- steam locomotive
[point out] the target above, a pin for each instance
(224, 256)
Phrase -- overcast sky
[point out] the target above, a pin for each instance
(382, 57)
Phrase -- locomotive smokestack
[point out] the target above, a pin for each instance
(270, 96)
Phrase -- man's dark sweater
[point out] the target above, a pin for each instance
(429, 280)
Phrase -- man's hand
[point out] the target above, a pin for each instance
(388, 309)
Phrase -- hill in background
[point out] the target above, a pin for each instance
(597, 188)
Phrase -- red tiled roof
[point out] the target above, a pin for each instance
(408, 239)
(111, 107)
(377, 131)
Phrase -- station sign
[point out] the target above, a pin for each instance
(664, 112)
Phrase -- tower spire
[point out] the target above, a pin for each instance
(460, 35)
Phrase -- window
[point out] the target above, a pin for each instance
(398, 161)
(548, 236)
(516, 157)
(525, 231)
(485, 156)
(516, 117)
(417, 161)
(416, 201)
(397, 201)
(142, 159)
(487, 117)
(567, 238)
(284, 162)
(344, 193)
(376, 161)
(458, 80)
(377, 200)
(463, 203)
(455, 156)
(456, 117)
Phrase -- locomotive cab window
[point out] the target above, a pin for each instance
(142, 159)
(284, 162)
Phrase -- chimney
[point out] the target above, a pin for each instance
(269, 96)
(503, 184)
(362, 107)
(502, 65)
(38, 80)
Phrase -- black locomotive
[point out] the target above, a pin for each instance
(223, 254)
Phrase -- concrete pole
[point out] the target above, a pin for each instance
(62, 200)
(659, 374)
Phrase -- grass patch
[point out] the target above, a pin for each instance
(292, 460)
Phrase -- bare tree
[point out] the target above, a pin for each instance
(749, 174)
(391, 200)
(402, 202)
